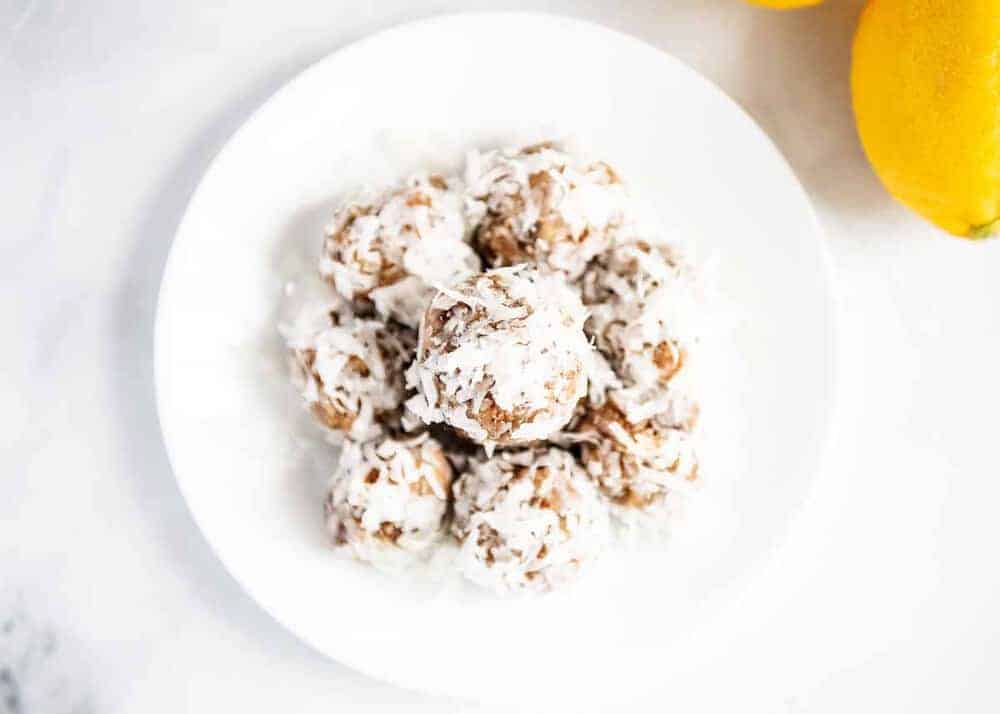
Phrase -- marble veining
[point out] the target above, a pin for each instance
(35, 673)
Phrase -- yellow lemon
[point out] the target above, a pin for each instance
(926, 87)
(785, 4)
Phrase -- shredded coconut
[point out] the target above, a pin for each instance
(576, 346)
(388, 499)
(527, 520)
(541, 205)
(642, 312)
(349, 370)
(502, 357)
(643, 469)
(393, 250)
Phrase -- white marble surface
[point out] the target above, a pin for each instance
(884, 597)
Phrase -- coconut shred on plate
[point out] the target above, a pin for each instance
(503, 356)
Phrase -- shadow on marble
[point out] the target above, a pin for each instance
(39, 670)
(797, 87)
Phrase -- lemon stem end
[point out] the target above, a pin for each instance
(986, 230)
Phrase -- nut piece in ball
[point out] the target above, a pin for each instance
(539, 205)
(349, 370)
(388, 499)
(641, 468)
(391, 250)
(527, 520)
(502, 357)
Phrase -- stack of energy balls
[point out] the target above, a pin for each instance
(503, 358)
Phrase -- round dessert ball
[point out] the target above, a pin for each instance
(502, 357)
(641, 468)
(349, 370)
(390, 251)
(540, 205)
(641, 308)
(388, 499)
(527, 520)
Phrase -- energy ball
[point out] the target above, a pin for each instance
(640, 304)
(502, 357)
(640, 468)
(390, 252)
(388, 499)
(349, 370)
(527, 520)
(540, 205)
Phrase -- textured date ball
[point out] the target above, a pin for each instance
(540, 205)
(528, 520)
(502, 357)
(640, 302)
(350, 371)
(388, 499)
(643, 469)
(389, 251)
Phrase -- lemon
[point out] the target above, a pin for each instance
(784, 4)
(926, 87)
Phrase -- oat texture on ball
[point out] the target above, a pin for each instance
(643, 318)
(506, 360)
(388, 499)
(542, 205)
(643, 469)
(348, 369)
(390, 251)
(527, 520)
(502, 356)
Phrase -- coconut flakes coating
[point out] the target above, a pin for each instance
(527, 520)
(540, 205)
(349, 370)
(574, 350)
(390, 252)
(502, 357)
(388, 499)
(640, 298)
(640, 468)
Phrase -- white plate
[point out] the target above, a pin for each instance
(250, 464)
